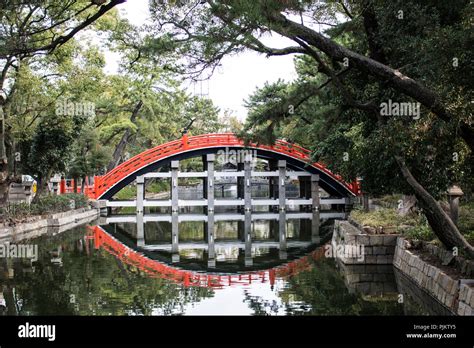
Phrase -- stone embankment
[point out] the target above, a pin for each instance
(58, 222)
(445, 277)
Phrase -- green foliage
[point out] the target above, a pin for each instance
(421, 232)
(466, 220)
(130, 191)
(411, 225)
(127, 193)
(48, 204)
(48, 150)
(89, 156)
(79, 145)
(385, 217)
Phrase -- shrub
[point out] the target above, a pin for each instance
(420, 232)
(80, 200)
(44, 205)
(51, 204)
(383, 217)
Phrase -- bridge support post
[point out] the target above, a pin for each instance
(305, 189)
(248, 238)
(208, 184)
(272, 183)
(248, 183)
(315, 191)
(103, 210)
(281, 185)
(348, 206)
(240, 185)
(282, 235)
(140, 193)
(174, 186)
(140, 181)
(174, 237)
(140, 230)
(315, 221)
(211, 252)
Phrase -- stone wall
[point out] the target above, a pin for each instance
(454, 293)
(378, 248)
(416, 300)
(58, 222)
(466, 297)
(368, 279)
(20, 192)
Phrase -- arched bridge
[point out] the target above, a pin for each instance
(295, 158)
(157, 269)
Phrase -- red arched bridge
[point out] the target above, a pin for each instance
(145, 164)
(157, 269)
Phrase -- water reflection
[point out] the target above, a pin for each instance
(221, 242)
(259, 264)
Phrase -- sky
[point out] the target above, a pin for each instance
(239, 76)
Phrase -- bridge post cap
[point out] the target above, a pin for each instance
(211, 157)
(175, 164)
(281, 163)
(140, 179)
(314, 177)
(102, 203)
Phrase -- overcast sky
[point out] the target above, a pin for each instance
(239, 75)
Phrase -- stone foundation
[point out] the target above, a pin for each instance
(454, 293)
(378, 248)
(466, 297)
(416, 300)
(368, 279)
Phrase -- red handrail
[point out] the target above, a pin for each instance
(105, 182)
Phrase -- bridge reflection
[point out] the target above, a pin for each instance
(216, 250)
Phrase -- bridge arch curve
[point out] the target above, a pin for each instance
(298, 158)
(159, 269)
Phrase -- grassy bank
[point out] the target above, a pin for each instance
(413, 226)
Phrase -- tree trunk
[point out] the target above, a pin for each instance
(406, 85)
(4, 182)
(439, 221)
(83, 184)
(39, 189)
(120, 148)
(4, 170)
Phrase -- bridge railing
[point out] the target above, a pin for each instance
(103, 183)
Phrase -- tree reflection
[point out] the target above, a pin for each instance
(320, 290)
(98, 284)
